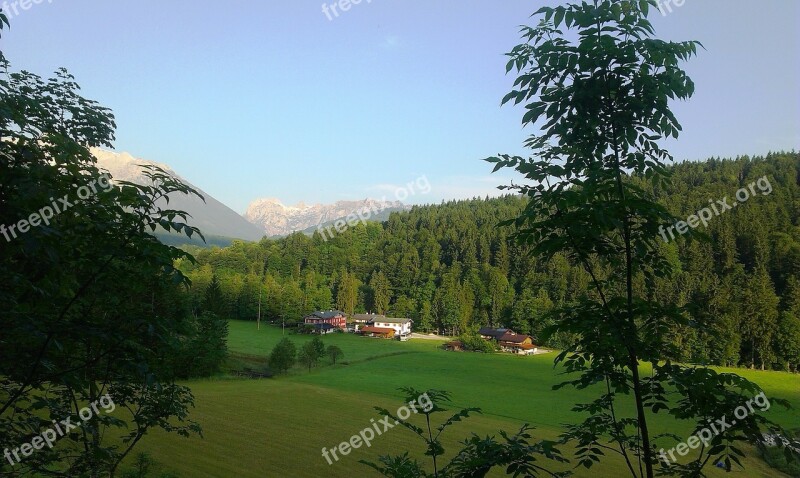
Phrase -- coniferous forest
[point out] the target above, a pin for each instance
(450, 269)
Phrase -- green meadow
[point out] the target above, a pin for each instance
(278, 427)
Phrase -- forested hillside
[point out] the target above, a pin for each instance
(450, 268)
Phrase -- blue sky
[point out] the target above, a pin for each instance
(262, 98)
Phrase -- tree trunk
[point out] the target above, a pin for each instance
(642, 418)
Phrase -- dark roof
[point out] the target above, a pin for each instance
(368, 316)
(390, 320)
(327, 314)
(494, 333)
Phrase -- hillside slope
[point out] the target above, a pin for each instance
(212, 217)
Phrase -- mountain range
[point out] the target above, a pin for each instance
(278, 219)
(264, 217)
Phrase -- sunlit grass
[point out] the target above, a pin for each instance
(278, 427)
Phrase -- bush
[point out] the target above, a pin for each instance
(475, 343)
(305, 329)
(776, 458)
(144, 466)
(334, 353)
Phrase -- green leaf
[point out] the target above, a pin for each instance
(560, 12)
(644, 5)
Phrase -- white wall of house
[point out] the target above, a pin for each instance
(399, 328)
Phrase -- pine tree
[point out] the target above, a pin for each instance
(347, 293)
(381, 293)
(787, 341)
(760, 318)
(214, 300)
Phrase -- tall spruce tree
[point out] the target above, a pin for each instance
(381, 292)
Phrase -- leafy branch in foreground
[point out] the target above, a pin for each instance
(599, 90)
(478, 455)
(92, 300)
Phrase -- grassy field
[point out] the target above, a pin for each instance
(278, 427)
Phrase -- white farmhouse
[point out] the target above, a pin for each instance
(402, 327)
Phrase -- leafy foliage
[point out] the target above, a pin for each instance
(308, 355)
(475, 343)
(283, 356)
(92, 301)
(208, 349)
(601, 99)
(478, 456)
(334, 353)
(317, 347)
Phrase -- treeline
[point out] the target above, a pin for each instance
(451, 269)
